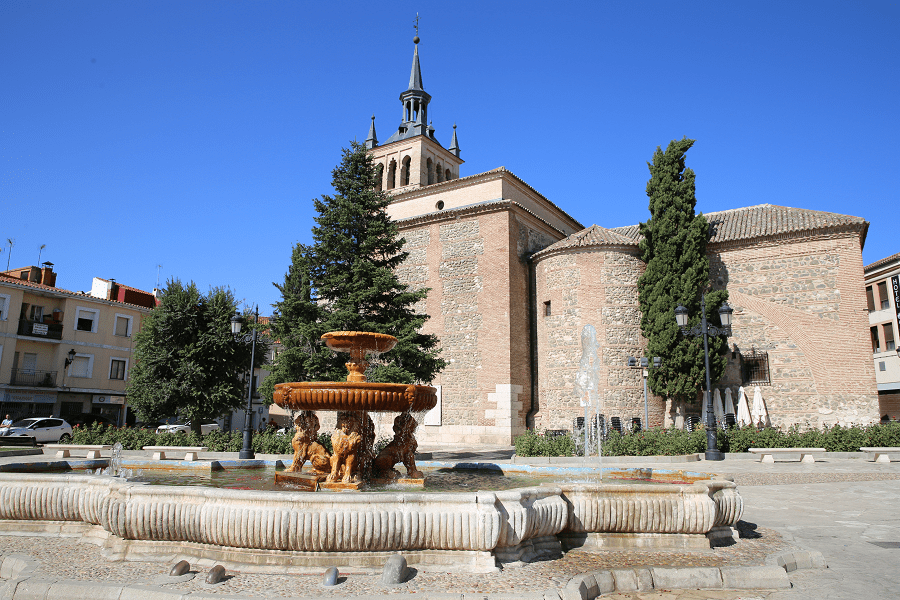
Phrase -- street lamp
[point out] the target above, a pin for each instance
(644, 365)
(705, 329)
(236, 321)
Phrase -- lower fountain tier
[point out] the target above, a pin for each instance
(512, 525)
(368, 396)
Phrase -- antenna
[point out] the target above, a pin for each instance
(158, 267)
(11, 242)
(40, 251)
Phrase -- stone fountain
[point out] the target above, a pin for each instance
(285, 530)
(353, 460)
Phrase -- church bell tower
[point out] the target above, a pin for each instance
(412, 157)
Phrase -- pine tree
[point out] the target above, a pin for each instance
(347, 281)
(674, 250)
(187, 362)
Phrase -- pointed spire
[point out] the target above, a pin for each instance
(415, 76)
(372, 140)
(454, 144)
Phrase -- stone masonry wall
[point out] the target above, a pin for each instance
(802, 301)
(596, 286)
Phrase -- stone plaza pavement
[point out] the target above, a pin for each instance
(843, 507)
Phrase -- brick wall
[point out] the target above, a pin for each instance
(802, 301)
(596, 286)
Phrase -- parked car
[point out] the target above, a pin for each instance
(205, 427)
(147, 424)
(44, 430)
(86, 420)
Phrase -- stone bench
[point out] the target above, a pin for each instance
(882, 455)
(93, 450)
(767, 455)
(190, 452)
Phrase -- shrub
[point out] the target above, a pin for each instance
(534, 444)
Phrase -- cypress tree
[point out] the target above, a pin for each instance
(674, 250)
(346, 281)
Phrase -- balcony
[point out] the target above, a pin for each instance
(33, 378)
(50, 331)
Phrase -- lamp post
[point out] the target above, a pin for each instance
(236, 322)
(705, 329)
(645, 365)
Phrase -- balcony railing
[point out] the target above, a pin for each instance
(52, 331)
(33, 378)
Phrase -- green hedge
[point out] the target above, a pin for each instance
(217, 441)
(664, 442)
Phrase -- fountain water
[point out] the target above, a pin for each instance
(353, 460)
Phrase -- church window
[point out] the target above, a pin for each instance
(447, 175)
(440, 172)
(392, 175)
(755, 367)
(379, 177)
(404, 172)
(547, 311)
(439, 205)
(430, 166)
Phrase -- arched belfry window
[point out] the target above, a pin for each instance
(379, 177)
(392, 175)
(448, 175)
(440, 172)
(430, 166)
(404, 172)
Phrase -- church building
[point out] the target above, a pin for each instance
(515, 279)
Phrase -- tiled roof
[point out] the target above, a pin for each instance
(883, 261)
(763, 220)
(767, 219)
(50, 288)
(592, 236)
(127, 287)
(39, 286)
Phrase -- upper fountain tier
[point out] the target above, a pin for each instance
(356, 393)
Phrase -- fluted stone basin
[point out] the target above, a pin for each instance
(274, 531)
(368, 396)
(356, 393)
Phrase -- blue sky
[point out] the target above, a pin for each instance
(194, 135)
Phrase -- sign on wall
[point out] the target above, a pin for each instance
(109, 399)
(895, 285)
(29, 397)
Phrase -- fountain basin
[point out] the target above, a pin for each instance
(358, 396)
(277, 530)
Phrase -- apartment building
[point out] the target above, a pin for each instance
(883, 297)
(64, 352)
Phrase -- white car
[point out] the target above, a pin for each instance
(44, 430)
(205, 427)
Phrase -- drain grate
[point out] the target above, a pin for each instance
(886, 544)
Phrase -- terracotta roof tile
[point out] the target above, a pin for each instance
(50, 288)
(763, 220)
(882, 261)
(592, 236)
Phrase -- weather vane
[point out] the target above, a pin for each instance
(416, 39)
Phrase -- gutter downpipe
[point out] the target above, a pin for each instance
(532, 346)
